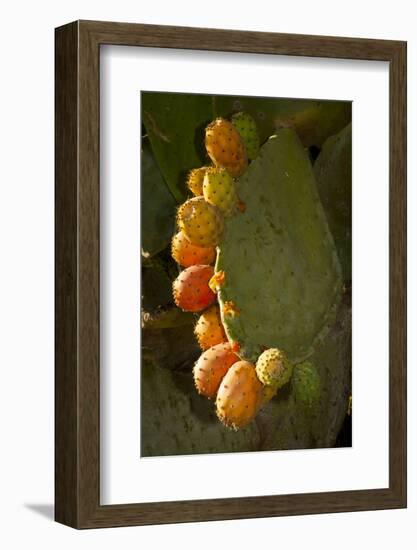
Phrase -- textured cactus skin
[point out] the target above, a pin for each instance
(176, 420)
(281, 268)
(201, 222)
(273, 368)
(195, 180)
(219, 190)
(211, 368)
(306, 384)
(187, 254)
(225, 147)
(246, 126)
(190, 289)
(239, 395)
(209, 330)
(333, 171)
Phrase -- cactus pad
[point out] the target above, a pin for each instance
(282, 272)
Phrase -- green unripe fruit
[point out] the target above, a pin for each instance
(246, 126)
(219, 190)
(273, 368)
(306, 384)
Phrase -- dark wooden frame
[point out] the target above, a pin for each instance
(77, 274)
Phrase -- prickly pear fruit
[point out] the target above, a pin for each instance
(246, 126)
(209, 329)
(190, 289)
(195, 180)
(186, 253)
(225, 147)
(239, 395)
(306, 384)
(211, 367)
(273, 368)
(219, 190)
(201, 222)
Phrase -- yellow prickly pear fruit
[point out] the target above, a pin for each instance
(201, 222)
(186, 253)
(219, 190)
(195, 180)
(273, 368)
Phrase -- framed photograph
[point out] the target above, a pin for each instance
(230, 274)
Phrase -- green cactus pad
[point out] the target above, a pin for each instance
(175, 420)
(167, 116)
(157, 205)
(333, 171)
(281, 267)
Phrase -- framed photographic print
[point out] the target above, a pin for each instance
(230, 274)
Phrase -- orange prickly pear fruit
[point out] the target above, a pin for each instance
(225, 147)
(209, 329)
(239, 395)
(187, 254)
(211, 367)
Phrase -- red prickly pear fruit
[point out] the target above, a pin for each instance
(191, 290)
(209, 329)
(195, 180)
(225, 147)
(239, 395)
(201, 222)
(211, 367)
(187, 254)
(219, 190)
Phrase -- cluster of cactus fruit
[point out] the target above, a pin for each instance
(239, 387)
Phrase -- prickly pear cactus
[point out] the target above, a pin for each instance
(280, 268)
(277, 281)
